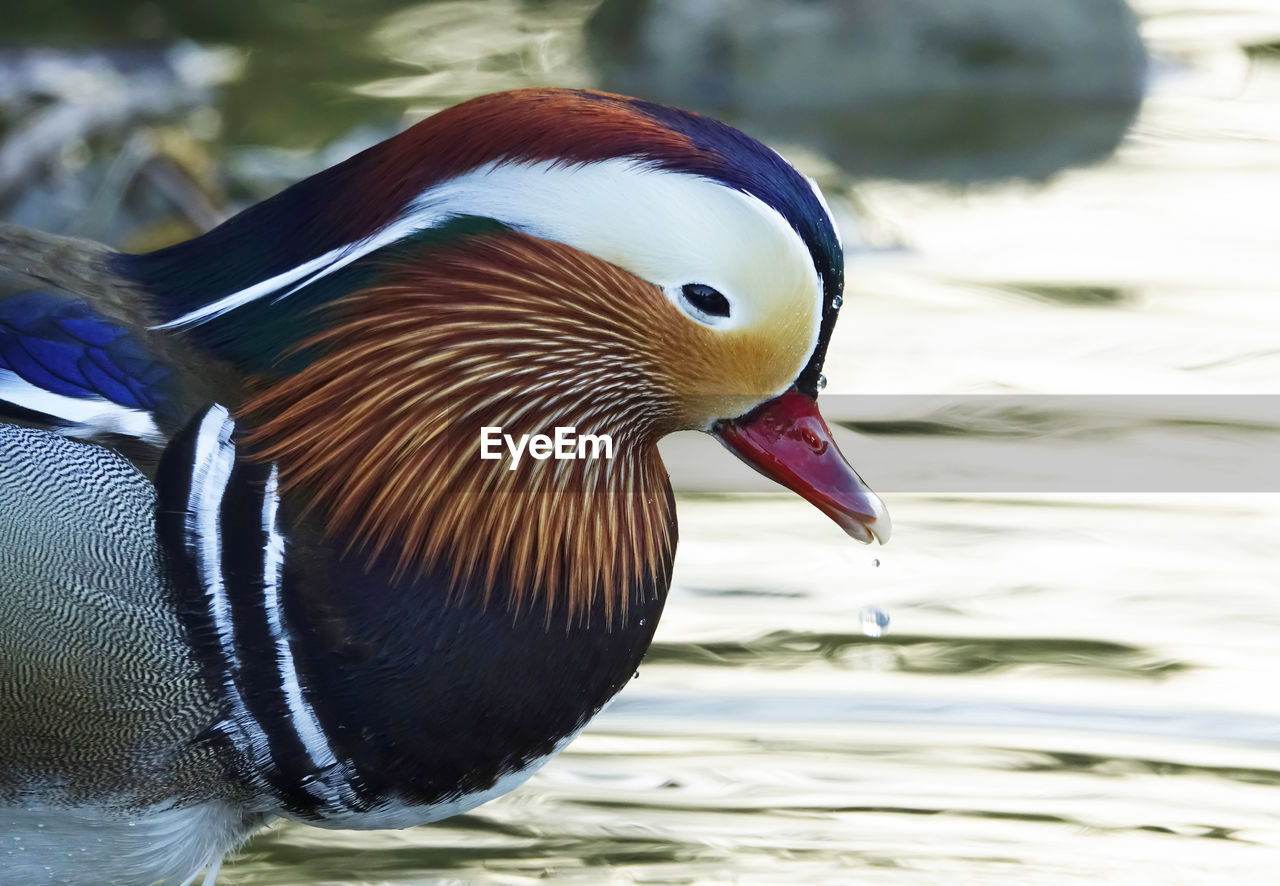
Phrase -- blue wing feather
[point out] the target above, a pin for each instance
(78, 322)
(61, 345)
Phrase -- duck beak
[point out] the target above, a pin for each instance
(786, 440)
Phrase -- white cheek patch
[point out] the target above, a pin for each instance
(665, 227)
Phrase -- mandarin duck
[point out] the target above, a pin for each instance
(256, 561)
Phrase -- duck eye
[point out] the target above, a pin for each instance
(705, 300)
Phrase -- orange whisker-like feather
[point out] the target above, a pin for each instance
(379, 435)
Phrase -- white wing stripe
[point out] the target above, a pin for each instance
(88, 415)
(302, 715)
(312, 271)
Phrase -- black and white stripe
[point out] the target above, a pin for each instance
(303, 716)
(219, 519)
(318, 729)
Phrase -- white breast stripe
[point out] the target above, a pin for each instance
(335, 790)
(88, 416)
(210, 471)
(212, 465)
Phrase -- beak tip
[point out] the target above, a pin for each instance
(865, 528)
(787, 440)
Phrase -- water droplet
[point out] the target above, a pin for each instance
(874, 621)
(837, 302)
(642, 622)
(822, 381)
(637, 676)
(875, 562)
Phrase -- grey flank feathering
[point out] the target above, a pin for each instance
(85, 623)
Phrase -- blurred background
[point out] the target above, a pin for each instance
(1059, 361)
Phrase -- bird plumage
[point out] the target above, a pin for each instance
(272, 578)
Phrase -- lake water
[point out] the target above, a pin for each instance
(1076, 686)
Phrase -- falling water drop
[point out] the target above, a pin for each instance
(874, 621)
(875, 562)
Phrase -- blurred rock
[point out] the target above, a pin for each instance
(959, 90)
(57, 98)
(102, 142)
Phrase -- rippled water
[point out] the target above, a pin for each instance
(1075, 688)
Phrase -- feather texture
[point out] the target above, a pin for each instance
(283, 243)
(381, 431)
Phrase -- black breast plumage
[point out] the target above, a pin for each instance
(350, 691)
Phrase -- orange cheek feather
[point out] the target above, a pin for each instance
(502, 330)
(722, 374)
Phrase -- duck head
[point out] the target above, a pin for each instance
(528, 261)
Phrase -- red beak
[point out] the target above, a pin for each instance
(786, 440)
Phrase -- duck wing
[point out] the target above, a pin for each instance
(78, 352)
